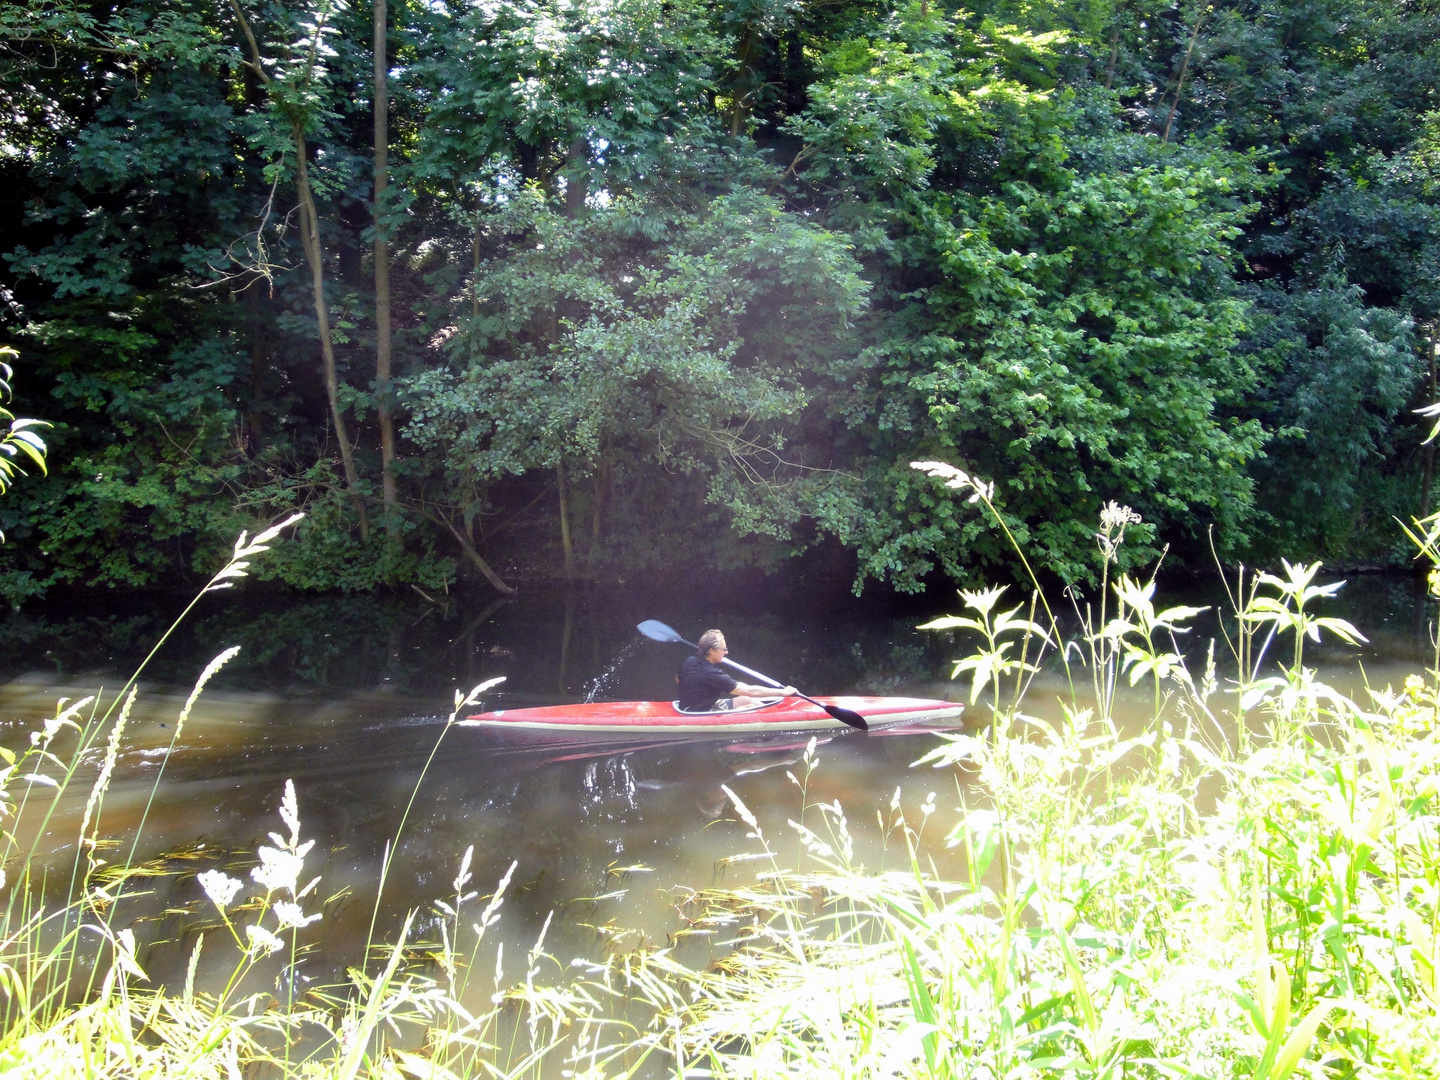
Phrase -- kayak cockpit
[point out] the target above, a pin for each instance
(765, 703)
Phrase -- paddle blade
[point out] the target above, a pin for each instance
(847, 716)
(658, 631)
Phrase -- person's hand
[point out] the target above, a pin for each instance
(788, 691)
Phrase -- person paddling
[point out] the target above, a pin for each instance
(704, 687)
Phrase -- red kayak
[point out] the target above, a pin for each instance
(662, 717)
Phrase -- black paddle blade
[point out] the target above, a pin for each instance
(847, 716)
(658, 631)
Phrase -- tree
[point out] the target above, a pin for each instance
(1070, 334)
(297, 98)
(692, 357)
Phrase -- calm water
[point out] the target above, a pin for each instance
(347, 697)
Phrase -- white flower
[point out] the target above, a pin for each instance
(957, 478)
(290, 812)
(741, 809)
(279, 869)
(1114, 516)
(291, 915)
(220, 888)
(262, 941)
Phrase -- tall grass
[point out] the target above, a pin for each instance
(1245, 885)
(76, 1001)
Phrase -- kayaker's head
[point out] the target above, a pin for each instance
(711, 646)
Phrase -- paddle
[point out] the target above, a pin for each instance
(658, 631)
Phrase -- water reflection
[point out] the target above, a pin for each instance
(348, 696)
(554, 646)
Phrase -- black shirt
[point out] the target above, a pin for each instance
(702, 684)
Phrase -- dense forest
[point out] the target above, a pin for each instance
(512, 289)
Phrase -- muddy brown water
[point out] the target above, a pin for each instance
(347, 697)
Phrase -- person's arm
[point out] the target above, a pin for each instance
(762, 691)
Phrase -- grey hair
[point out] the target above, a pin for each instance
(710, 639)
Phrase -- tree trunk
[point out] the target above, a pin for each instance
(1184, 66)
(743, 87)
(315, 256)
(565, 522)
(382, 277)
(469, 550)
(577, 186)
(475, 261)
(1432, 341)
(1114, 52)
(577, 180)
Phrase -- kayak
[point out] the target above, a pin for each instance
(662, 717)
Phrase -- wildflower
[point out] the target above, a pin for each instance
(280, 869)
(245, 550)
(463, 877)
(957, 478)
(290, 815)
(1114, 519)
(280, 865)
(112, 750)
(220, 888)
(291, 914)
(205, 676)
(262, 941)
(740, 808)
(491, 913)
(1114, 516)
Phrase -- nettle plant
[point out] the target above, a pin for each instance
(1317, 845)
(1133, 638)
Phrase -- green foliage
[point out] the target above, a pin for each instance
(327, 556)
(21, 446)
(996, 660)
(595, 350)
(1174, 255)
(1074, 334)
(1340, 376)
